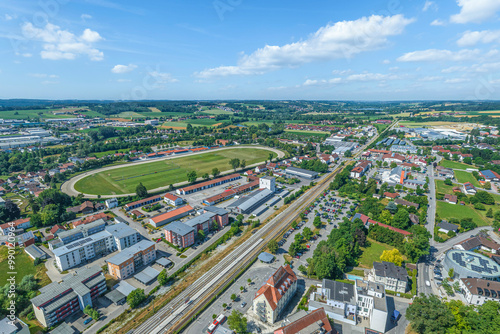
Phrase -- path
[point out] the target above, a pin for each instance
(68, 187)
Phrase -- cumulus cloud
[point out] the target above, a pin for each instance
(437, 22)
(371, 77)
(43, 75)
(86, 17)
(471, 38)
(475, 11)
(339, 40)
(120, 69)
(162, 78)
(456, 80)
(439, 55)
(63, 44)
(428, 5)
(310, 82)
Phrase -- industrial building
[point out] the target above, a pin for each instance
(301, 172)
(126, 262)
(170, 216)
(73, 293)
(249, 203)
(268, 182)
(468, 264)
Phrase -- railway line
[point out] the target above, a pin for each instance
(172, 316)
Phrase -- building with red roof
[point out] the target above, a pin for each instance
(314, 322)
(273, 297)
(170, 216)
(208, 184)
(172, 199)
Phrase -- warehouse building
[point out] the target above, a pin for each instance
(170, 216)
(208, 184)
(125, 263)
(230, 193)
(301, 172)
(73, 293)
(249, 203)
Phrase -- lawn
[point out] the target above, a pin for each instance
(447, 211)
(372, 253)
(23, 266)
(162, 173)
(443, 188)
(463, 176)
(454, 164)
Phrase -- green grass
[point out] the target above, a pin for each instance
(162, 173)
(454, 164)
(447, 211)
(25, 114)
(372, 253)
(23, 266)
(112, 152)
(443, 188)
(463, 176)
(202, 121)
(216, 111)
(308, 132)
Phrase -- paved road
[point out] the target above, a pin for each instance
(68, 187)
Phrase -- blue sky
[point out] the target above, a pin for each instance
(242, 49)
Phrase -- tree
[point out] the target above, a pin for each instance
(393, 256)
(448, 182)
(303, 269)
(242, 288)
(273, 246)
(233, 297)
(141, 190)
(189, 128)
(307, 233)
(451, 273)
(9, 212)
(487, 185)
(292, 250)
(401, 219)
(224, 305)
(205, 176)
(393, 165)
(237, 322)
(348, 154)
(249, 281)
(162, 277)
(428, 314)
(201, 234)
(317, 222)
(392, 207)
(243, 163)
(215, 172)
(235, 163)
(136, 297)
(270, 157)
(489, 214)
(192, 176)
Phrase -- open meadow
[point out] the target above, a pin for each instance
(162, 173)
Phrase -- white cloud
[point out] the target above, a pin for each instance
(120, 69)
(475, 11)
(123, 80)
(43, 75)
(310, 82)
(63, 44)
(339, 40)
(437, 22)
(341, 72)
(371, 77)
(162, 78)
(386, 61)
(439, 55)
(428, 5)
(471, 38)
(476, 68)
(86, 17)
(456, 80)
(431, 78)
(8, 17)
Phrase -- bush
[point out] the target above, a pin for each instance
(479, 206)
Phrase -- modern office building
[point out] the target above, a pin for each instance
(124, 235)
(273, 297)
(180, 234)
(126, 262)
(73, 293)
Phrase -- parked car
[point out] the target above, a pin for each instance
(87, 321)
(427, 283)
(243, 304)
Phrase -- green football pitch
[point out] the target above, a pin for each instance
(165, 172)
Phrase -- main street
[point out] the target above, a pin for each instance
(184, 306)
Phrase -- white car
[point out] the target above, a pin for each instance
(427, 283)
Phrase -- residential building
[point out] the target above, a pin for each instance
(452, 199)
(123, 235)
(273, 297)
(478, 242)
(301, 172)
(180, 234)
(17, 326)
(490, 175)
(126, 262)
(395, 278)
(469, 188)
(56, 229)
(172, 199)
(476, 291)
(73, 293)
(414, 219)
(446, 227)
(170, 216)
(85, 208)
(221, 215)
(406, 203)
(393, 157)
(372, 303)
(260, 169)
(314, 322)
(18, 224)
(82, 231)
(111, 203)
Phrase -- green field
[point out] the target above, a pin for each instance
(443, 188)
(447, 211)
(308, 132)
(463, 176)
(25, 114)
(23, 266)
(216, 111)
(454, 164)
(162, 173)
(372, 253)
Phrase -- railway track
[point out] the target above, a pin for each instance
(183, 307)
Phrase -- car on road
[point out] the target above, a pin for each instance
(243, 304)
(427, 283)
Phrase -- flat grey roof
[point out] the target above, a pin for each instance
(81, 228)
(339, 291)
(179, 228)
(302, 171)
(129, 252)
(72, 246)
(64, 328)
(163, 262)
(147, 275)
(34, 251)
(247, 202)
(120, 230)
(199, 219)
(266, 257)
(216, 210)
(115, 296)
(125, 288)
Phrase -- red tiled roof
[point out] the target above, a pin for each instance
(172, 214)
(142, 201)
(15, 223)
(90, 219)
(281, 280)
(171, 197)
(207, 183)
(391, 195)
(317, 316)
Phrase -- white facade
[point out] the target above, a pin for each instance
(268, 182)
(111, 203)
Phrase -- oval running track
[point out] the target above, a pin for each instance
(68, 187)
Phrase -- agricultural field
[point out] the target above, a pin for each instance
(409, 124)
(305, 132)
(25, 114)
(162, 173)
(447, 211)
(454, 164)
(463, 176)
(216, 111)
